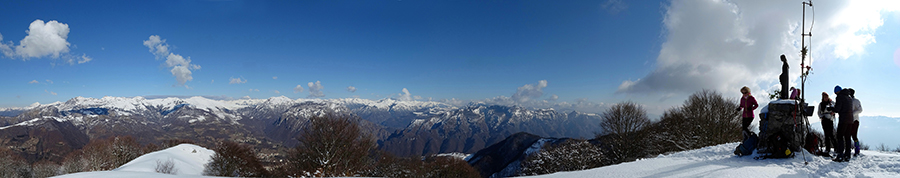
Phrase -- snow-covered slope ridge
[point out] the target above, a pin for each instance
(189, 161)
(719, 161)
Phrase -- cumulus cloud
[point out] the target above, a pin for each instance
(298, 89)
(237, 80)
(529, 91)
(157, 46)
(554, 97)
(181, 66)
(351, 89)
(404, 95)
(315, 90)
(723, 45)
(43, 39)
(33, 82)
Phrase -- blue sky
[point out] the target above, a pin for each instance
(588, 52)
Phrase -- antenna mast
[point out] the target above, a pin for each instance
(804, 69)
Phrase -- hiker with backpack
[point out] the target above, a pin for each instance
(843, 107)
(854, 128)
(748, 104)
(826, 114)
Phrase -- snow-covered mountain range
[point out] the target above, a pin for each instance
(272, 124)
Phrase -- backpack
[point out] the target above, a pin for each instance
(747, 146)
(779, 146)
(812, 143)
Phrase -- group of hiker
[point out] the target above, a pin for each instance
(845, 106)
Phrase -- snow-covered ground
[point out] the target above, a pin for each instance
(719, 161)
(713, 161)
(188, 159)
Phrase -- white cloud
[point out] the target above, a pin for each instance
(5, 48)
(254, 90)
(181, 66)
(614, 6)
(212, 81)
(43, 39)
(723, 45)
(182, 74)
(351, 89)
(246, 97)
(529, 91)
(33, 82)
(84, 59)
(50, 92)
(49, 81)
(298, 89)
(275, 78)
(315, 90)
(157, 46)
(554, 97)
(276, 91)
(237, 80)
(404, 95)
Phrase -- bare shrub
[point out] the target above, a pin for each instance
(234, 160)
(46, 169)
(12, 165)
(166, 167)
(331, 146)
(449, 167)
(570, 155)
(706, 118)
(103, 155)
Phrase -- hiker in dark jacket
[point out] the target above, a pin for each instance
(748, 104)
(826, 114)
(844, 108)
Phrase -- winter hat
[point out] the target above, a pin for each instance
(837, 88)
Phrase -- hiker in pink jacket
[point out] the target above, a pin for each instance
(748, 104)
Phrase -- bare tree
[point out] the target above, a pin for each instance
(706, 118)
(235, 160)
(331, 146)
(624, 119)
(623, 125)
(167, 167)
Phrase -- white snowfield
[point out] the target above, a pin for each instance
(713, 161)
(189, 161)
(719, 161)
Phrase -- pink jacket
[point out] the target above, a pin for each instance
(749, 104)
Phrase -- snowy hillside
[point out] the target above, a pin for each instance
(713, 161)
(719, 161)
(188, 161)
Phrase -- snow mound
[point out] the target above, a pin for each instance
(719, 161)
(189, 161)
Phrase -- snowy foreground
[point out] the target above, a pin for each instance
(719, 161)
(713, 161)
(188, 159)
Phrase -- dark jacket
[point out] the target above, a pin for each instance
(844, 107)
